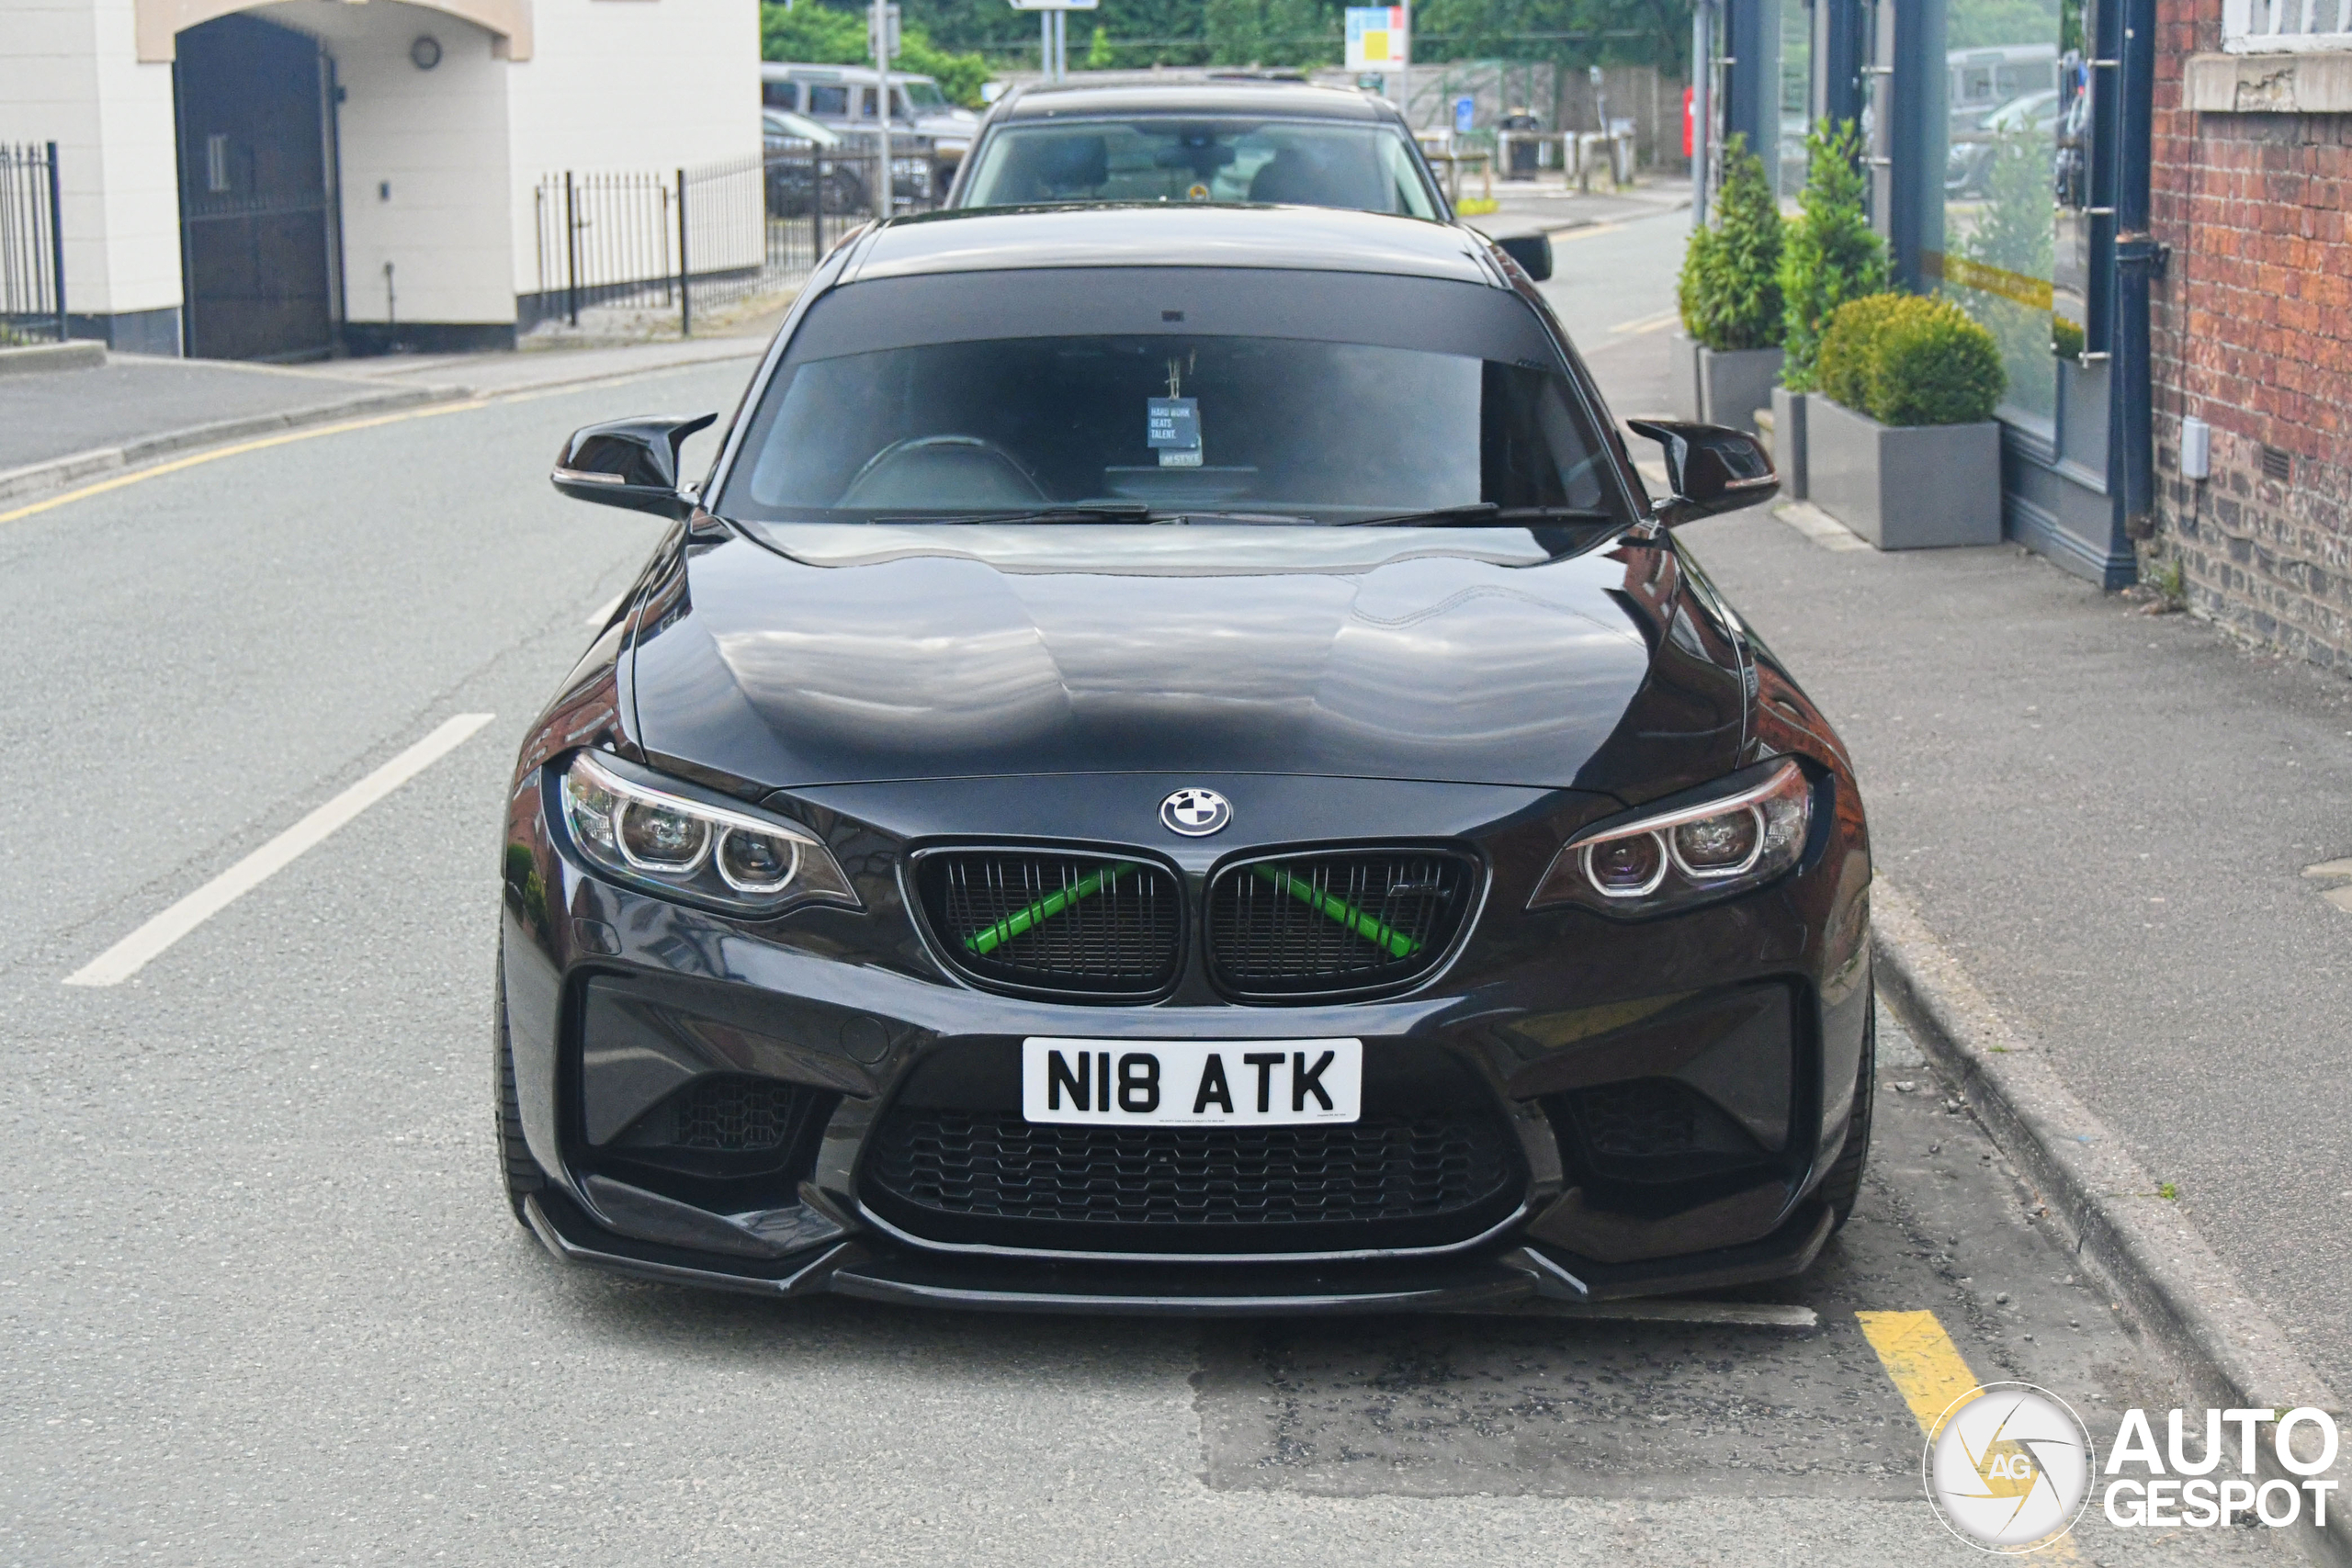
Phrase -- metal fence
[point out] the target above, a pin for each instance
(697, 240)
(32, 247)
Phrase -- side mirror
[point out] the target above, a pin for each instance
(1533, 251)
(628, 462)
(1711, 468)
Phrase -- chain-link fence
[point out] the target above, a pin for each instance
(32, 249)
(698, 240)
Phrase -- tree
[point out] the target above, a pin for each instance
(819, 34)
(1830, 256)
(1099, 54)
(1730, 288)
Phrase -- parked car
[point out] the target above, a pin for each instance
(1226, 139)
(1173, 764)
(803, 157)
(1968, 164)
(847, 98)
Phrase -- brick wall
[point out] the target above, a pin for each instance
(2253, 334)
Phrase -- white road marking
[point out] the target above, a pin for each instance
(127, 957)
(1584, 231)
(603, 611)
(1736, 1314)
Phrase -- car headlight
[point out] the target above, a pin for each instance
(731, 857)
(1739, 839)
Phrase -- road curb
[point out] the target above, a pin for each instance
(57, 472)
(2227, 1348)
(34, 359)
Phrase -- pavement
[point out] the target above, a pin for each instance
(263, 1302)
(2127, 834)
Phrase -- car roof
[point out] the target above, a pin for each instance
(1158, 234)
(1284, 100)
(794, 70)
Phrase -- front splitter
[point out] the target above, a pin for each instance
(861, 1268)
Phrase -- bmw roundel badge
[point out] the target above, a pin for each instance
(1195, 813)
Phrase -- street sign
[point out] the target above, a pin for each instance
(1377, 37)
(1465, 116)
(1055, 4)
(888, 48)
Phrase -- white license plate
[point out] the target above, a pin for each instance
(1191, 1083)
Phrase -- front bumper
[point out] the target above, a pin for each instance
(620, 1002)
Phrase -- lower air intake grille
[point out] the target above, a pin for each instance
(730, 1115)
(1323, 924)
(1650, 1130)
(986, 1176)
(1082, 925)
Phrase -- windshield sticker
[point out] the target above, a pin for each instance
(1173, 424)
(1172, 428)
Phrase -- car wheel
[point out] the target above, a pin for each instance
(1843, 1186)
(520, 1172)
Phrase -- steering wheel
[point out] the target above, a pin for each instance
(941, 471)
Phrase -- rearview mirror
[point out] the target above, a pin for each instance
(1533, 251)
(628, 462)
(1709, 468)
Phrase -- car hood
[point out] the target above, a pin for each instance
(813, 655)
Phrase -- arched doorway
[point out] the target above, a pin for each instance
(256, 191)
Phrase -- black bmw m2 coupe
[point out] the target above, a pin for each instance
(1173, 765)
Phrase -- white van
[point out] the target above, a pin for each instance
(844, 97)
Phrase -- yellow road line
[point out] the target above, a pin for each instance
(215, 454)
(1926, 1370)
(1647, 324)
(1921, 1361)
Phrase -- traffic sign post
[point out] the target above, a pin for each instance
(882, 34)
(1052, 23)
(1380, 38)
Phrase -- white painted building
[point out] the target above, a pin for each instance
(293, 178)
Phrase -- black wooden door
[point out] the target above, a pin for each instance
(255, 214)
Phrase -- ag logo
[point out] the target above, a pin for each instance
(2008, 1467)
(1195, 813)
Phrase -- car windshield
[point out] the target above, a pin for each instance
(925, 95)
(1292, 162)
(1306, 420)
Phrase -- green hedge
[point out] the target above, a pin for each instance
(1730, 288)
(1908, 360)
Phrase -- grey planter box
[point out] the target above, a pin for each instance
(1788, 441)
(1915, 488)
(1683, 372)
(1734, 385)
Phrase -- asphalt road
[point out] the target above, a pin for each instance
(264, 1303)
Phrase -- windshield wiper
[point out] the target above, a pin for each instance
(1103, 512)
(1478, 513)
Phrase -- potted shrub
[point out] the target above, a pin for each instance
(1902, 446)
(1728, 354)
(1830, 256)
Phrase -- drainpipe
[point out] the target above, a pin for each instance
(1702, 104)
(2139, 261)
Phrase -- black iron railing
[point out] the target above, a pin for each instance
(32, 246)
(702, 240)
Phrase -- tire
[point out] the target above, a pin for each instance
(516, 1169)
(1843, 1186)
